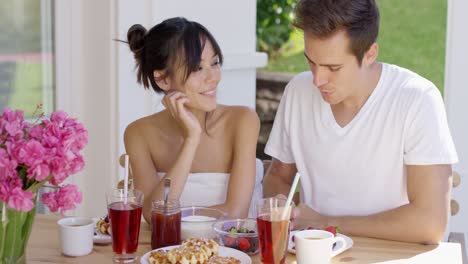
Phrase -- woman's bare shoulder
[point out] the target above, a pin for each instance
(146, 125)
(239, 113)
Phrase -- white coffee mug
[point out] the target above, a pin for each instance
(316, 246)
(76, 236)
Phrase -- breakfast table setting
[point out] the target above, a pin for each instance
(171, 232)
(195, 234)
(44, 247)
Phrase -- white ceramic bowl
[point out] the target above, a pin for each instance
(197, 221)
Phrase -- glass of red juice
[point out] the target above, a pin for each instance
(125, 218)
(165, 223)
(273, 229)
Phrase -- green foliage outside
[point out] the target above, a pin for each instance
(20, 24)
(412, 35)
(21, 80)
(28, 88)
(274, 25)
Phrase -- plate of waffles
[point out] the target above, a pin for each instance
(101, 232)
(196, 250)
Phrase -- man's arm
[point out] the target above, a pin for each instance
(423, 220)
(279, 178)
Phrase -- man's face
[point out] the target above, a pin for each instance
(335, 69)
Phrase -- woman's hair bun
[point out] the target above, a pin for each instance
(135, 37)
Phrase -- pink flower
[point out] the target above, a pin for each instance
(12, 122)
(36, 132)
(30, 153)
(4, 191)
(77, 164)
(59, 170)
(51, 136)
(9, 181)
(20, 200)
(15, 149)
(39, 172)
(49, 200)
(6, 163)
(64, 199)
(58, 117)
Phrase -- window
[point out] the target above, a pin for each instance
(27, 55)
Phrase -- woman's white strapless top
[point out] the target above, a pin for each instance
(210, 188)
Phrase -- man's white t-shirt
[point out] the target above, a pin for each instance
(359, 169)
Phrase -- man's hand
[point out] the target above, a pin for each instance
(303, 216)
(278, 178)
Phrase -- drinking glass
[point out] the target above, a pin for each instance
(273, 229)
(125, 219)
(165, 223)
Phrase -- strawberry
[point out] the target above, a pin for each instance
(230, 242)
(310, 228)
(333, 229)
(243, 243)
(106, 219)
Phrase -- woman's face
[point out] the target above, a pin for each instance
(201, 85)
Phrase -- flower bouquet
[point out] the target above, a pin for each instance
(32, 154)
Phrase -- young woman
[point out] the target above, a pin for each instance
(206, 149)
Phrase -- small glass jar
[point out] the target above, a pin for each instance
(165, 223)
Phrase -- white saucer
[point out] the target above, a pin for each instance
(223, 252)
(99, 238)
(291, 244)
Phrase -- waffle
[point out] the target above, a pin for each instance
(192, 251)
(186, 255)
(103, 227)
(158, 257)
(209, 246)
(222, 260)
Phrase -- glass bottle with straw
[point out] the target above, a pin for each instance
(124, 209)
(273, 221)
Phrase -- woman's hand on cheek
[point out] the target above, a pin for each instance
(175, 103)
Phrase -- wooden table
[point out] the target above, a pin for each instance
(43, 247)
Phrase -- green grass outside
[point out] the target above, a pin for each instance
(27, 93)
(412, 35)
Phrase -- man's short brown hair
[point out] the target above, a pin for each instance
(322, 18)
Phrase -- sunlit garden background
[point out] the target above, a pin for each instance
(412, 35)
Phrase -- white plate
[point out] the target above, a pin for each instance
(291, 244)
(99, 238)
(223, 252)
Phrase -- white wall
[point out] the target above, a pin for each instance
(96, 82)
(456, 100)
(86, 89)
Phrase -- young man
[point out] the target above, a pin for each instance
(370, 139)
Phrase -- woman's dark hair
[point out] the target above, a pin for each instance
(359, 18)
(175, 42)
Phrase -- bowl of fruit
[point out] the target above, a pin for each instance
(240, 234)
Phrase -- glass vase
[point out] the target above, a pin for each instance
(14, 234)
